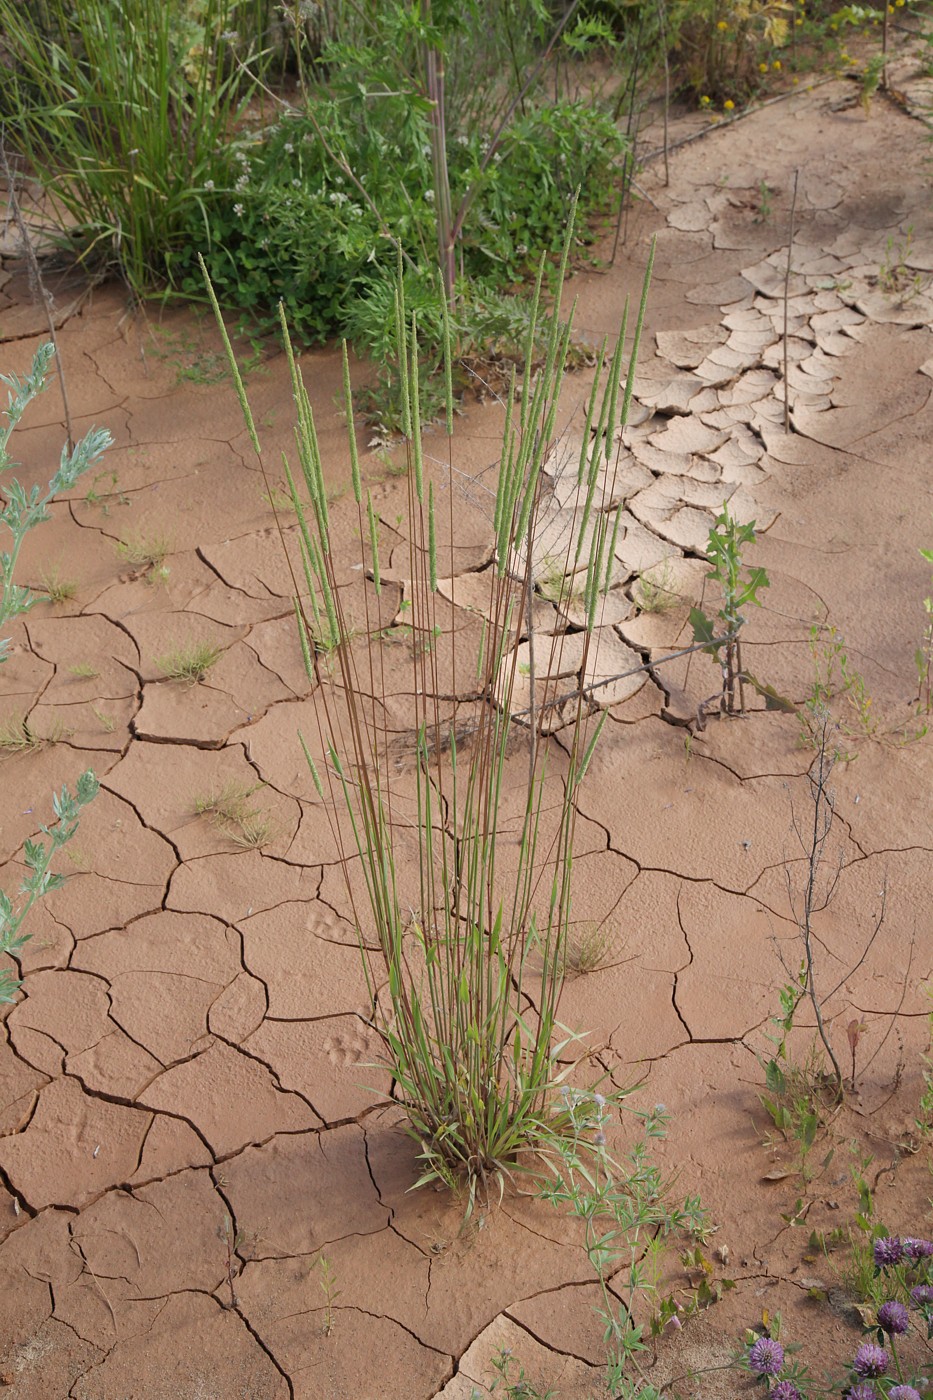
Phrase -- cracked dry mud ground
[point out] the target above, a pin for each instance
(191, 1047)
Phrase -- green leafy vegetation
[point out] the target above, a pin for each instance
(21, 513)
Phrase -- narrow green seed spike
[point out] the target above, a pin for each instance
(592, 474)
(315, 776)
(305, 462)
(290, 356)
(615, 375)
(297, 503)
(231, 360)
(334, 757)
(401, 346)
(448, 359)
(415, 389)
(590, 410)
(317, 468)
(348, 405)
(612, 550)
(432, 538)
(373, 541)
(305, 647)
(590, 750)
(308, 551)
(636, 339)
(595, 450)
(333, 626)
(596, 564)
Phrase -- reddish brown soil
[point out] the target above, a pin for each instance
(188, 1063)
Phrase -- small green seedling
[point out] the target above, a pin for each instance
(104, 491)
(765, 205)
(739, 587)
(106, 722)
(895, 278)
(834, 675)
(331, 1292)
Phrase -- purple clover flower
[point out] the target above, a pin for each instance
(888, 1250)
(785, 1390)
(863, 1391)
(917, 1249)
(766, 1357)
(903, 1392)
(870, 1360)
(922, 1295)
(893, 1318)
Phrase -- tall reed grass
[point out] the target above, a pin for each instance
(119, 109)
(459, 872)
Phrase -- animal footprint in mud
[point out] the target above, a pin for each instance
(346, 1048)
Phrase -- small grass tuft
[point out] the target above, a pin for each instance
(58, 589)
(83, 671)
(189, 664)
(18, 736)
(146, 553)
(589, 946)
(655, 591)
(230, 811)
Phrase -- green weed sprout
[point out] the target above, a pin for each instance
(21, 512)
(726, 540)
(455, 962)
(626, 1215)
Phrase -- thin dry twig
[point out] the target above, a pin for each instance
(36, 282)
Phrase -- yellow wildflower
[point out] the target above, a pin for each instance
(728, 105)
(722, 24)
(776, 65)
